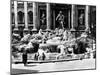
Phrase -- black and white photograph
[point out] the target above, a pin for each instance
(51, 37)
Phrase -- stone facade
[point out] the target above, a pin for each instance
(26, 16)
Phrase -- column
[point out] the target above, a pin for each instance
(73, 17)
(25, 14)
(34, 16)
(87, 17)
(69, 19)
(48, 16)
(15, 12)
(54, 19)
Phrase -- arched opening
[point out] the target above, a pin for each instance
(20, 17)
(30, 17)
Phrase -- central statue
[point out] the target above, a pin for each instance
(60, 19)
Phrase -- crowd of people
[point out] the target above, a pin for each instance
(64, 40)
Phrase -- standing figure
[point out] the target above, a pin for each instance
(81, 19)
(24, 58)
(43, 21)
(60, 19)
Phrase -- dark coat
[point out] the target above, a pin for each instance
(24, 57)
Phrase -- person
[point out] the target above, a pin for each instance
(36, 56)
(24, 58)
(60, 19)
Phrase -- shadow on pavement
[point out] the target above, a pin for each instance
(22, 71)
(30, 65)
